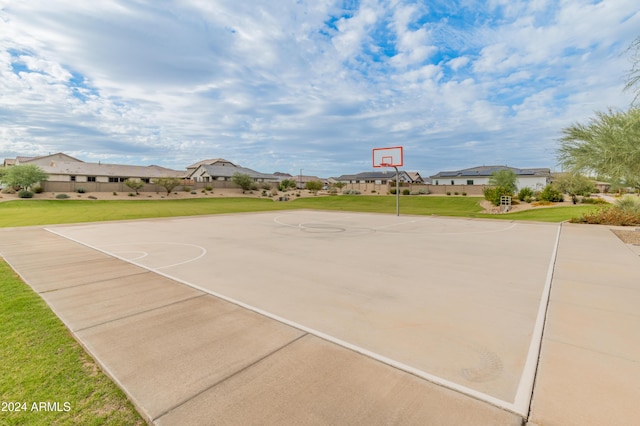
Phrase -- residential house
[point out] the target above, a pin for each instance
(535, 179)
(67, 173)
(220, 170)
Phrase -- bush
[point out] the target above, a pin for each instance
(351, 192)
(551, 194)
(406, 192)
(456, 193)
(629, 204)
(194, 193)
(589, 200)
(23, 193)
(38, 190)
(423, 191)
(609, 215)
(464, 194)
(448, 192)
(208, 188)
(62, 196)
(493, 194)
(81, 190)
(391, 190)
(525, 193)
(187, 189)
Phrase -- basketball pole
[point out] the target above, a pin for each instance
(397, 191)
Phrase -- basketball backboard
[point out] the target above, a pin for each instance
(388, 157)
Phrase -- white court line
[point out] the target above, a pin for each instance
(203, 251)
(524, 393)
(522, 400)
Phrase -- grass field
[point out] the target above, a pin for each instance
(47, 212)
(41, 363)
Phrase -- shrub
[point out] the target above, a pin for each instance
(455, 193)
(391, 190)
(115, 193)
(351, 192)
(187, 189)
(38, 190)
(423, 191)
(92, 197)
(208, 188)
(525, 193)
(464, 194)
(62, 196)
(629, 204)
(448, 192)
(589, 200)
(549, 193)
(609, 215)
(23, 193)
(81, 190)
(406, 192)
(493, 194)
(194, 193)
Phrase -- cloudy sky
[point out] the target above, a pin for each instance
(308, 84)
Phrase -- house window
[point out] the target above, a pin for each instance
(437, 183)
(113, 179)
(452, 182)
(145, 180)
(91, 178)
(72, 178)
(470, 182)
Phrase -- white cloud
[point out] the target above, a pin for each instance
(315, 85)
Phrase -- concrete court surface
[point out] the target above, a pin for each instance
(413, 294)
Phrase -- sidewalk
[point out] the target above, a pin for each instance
(184, 357)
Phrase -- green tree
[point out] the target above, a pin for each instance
(24, 176)
(134, 184)
(505, 179)
(244, 181)
(313, 186)
(608, 146)
(168, 183)
(574, 184)
(633, 78)
(286, 184)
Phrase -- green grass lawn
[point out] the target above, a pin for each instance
(40, 362)
(46, 212)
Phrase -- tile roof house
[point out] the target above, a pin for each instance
(536, 178)
(220, 169)
(378, 178)
(67, 173)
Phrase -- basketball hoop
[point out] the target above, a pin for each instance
(390, 157)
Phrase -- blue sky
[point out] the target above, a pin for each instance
(314, 85)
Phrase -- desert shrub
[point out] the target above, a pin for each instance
(448, 192)
(38, 190)
(115, 193)
(406, 191)
(333, 191)
(62, 196)
(23, 193)
(8, 190)
(589, 200)
(351, 192)
(524, 193)
(541, 203)
(423, 191)
(629, 204)
(391, 190)
(456, 193)
(194, 193)
(609, 215)
(464, 194)
(131, 194)
(415, 193)
(550, 193)
(187, 189)
(493, 194)
(208, 188)
(81, 190)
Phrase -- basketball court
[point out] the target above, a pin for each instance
(458, 302)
